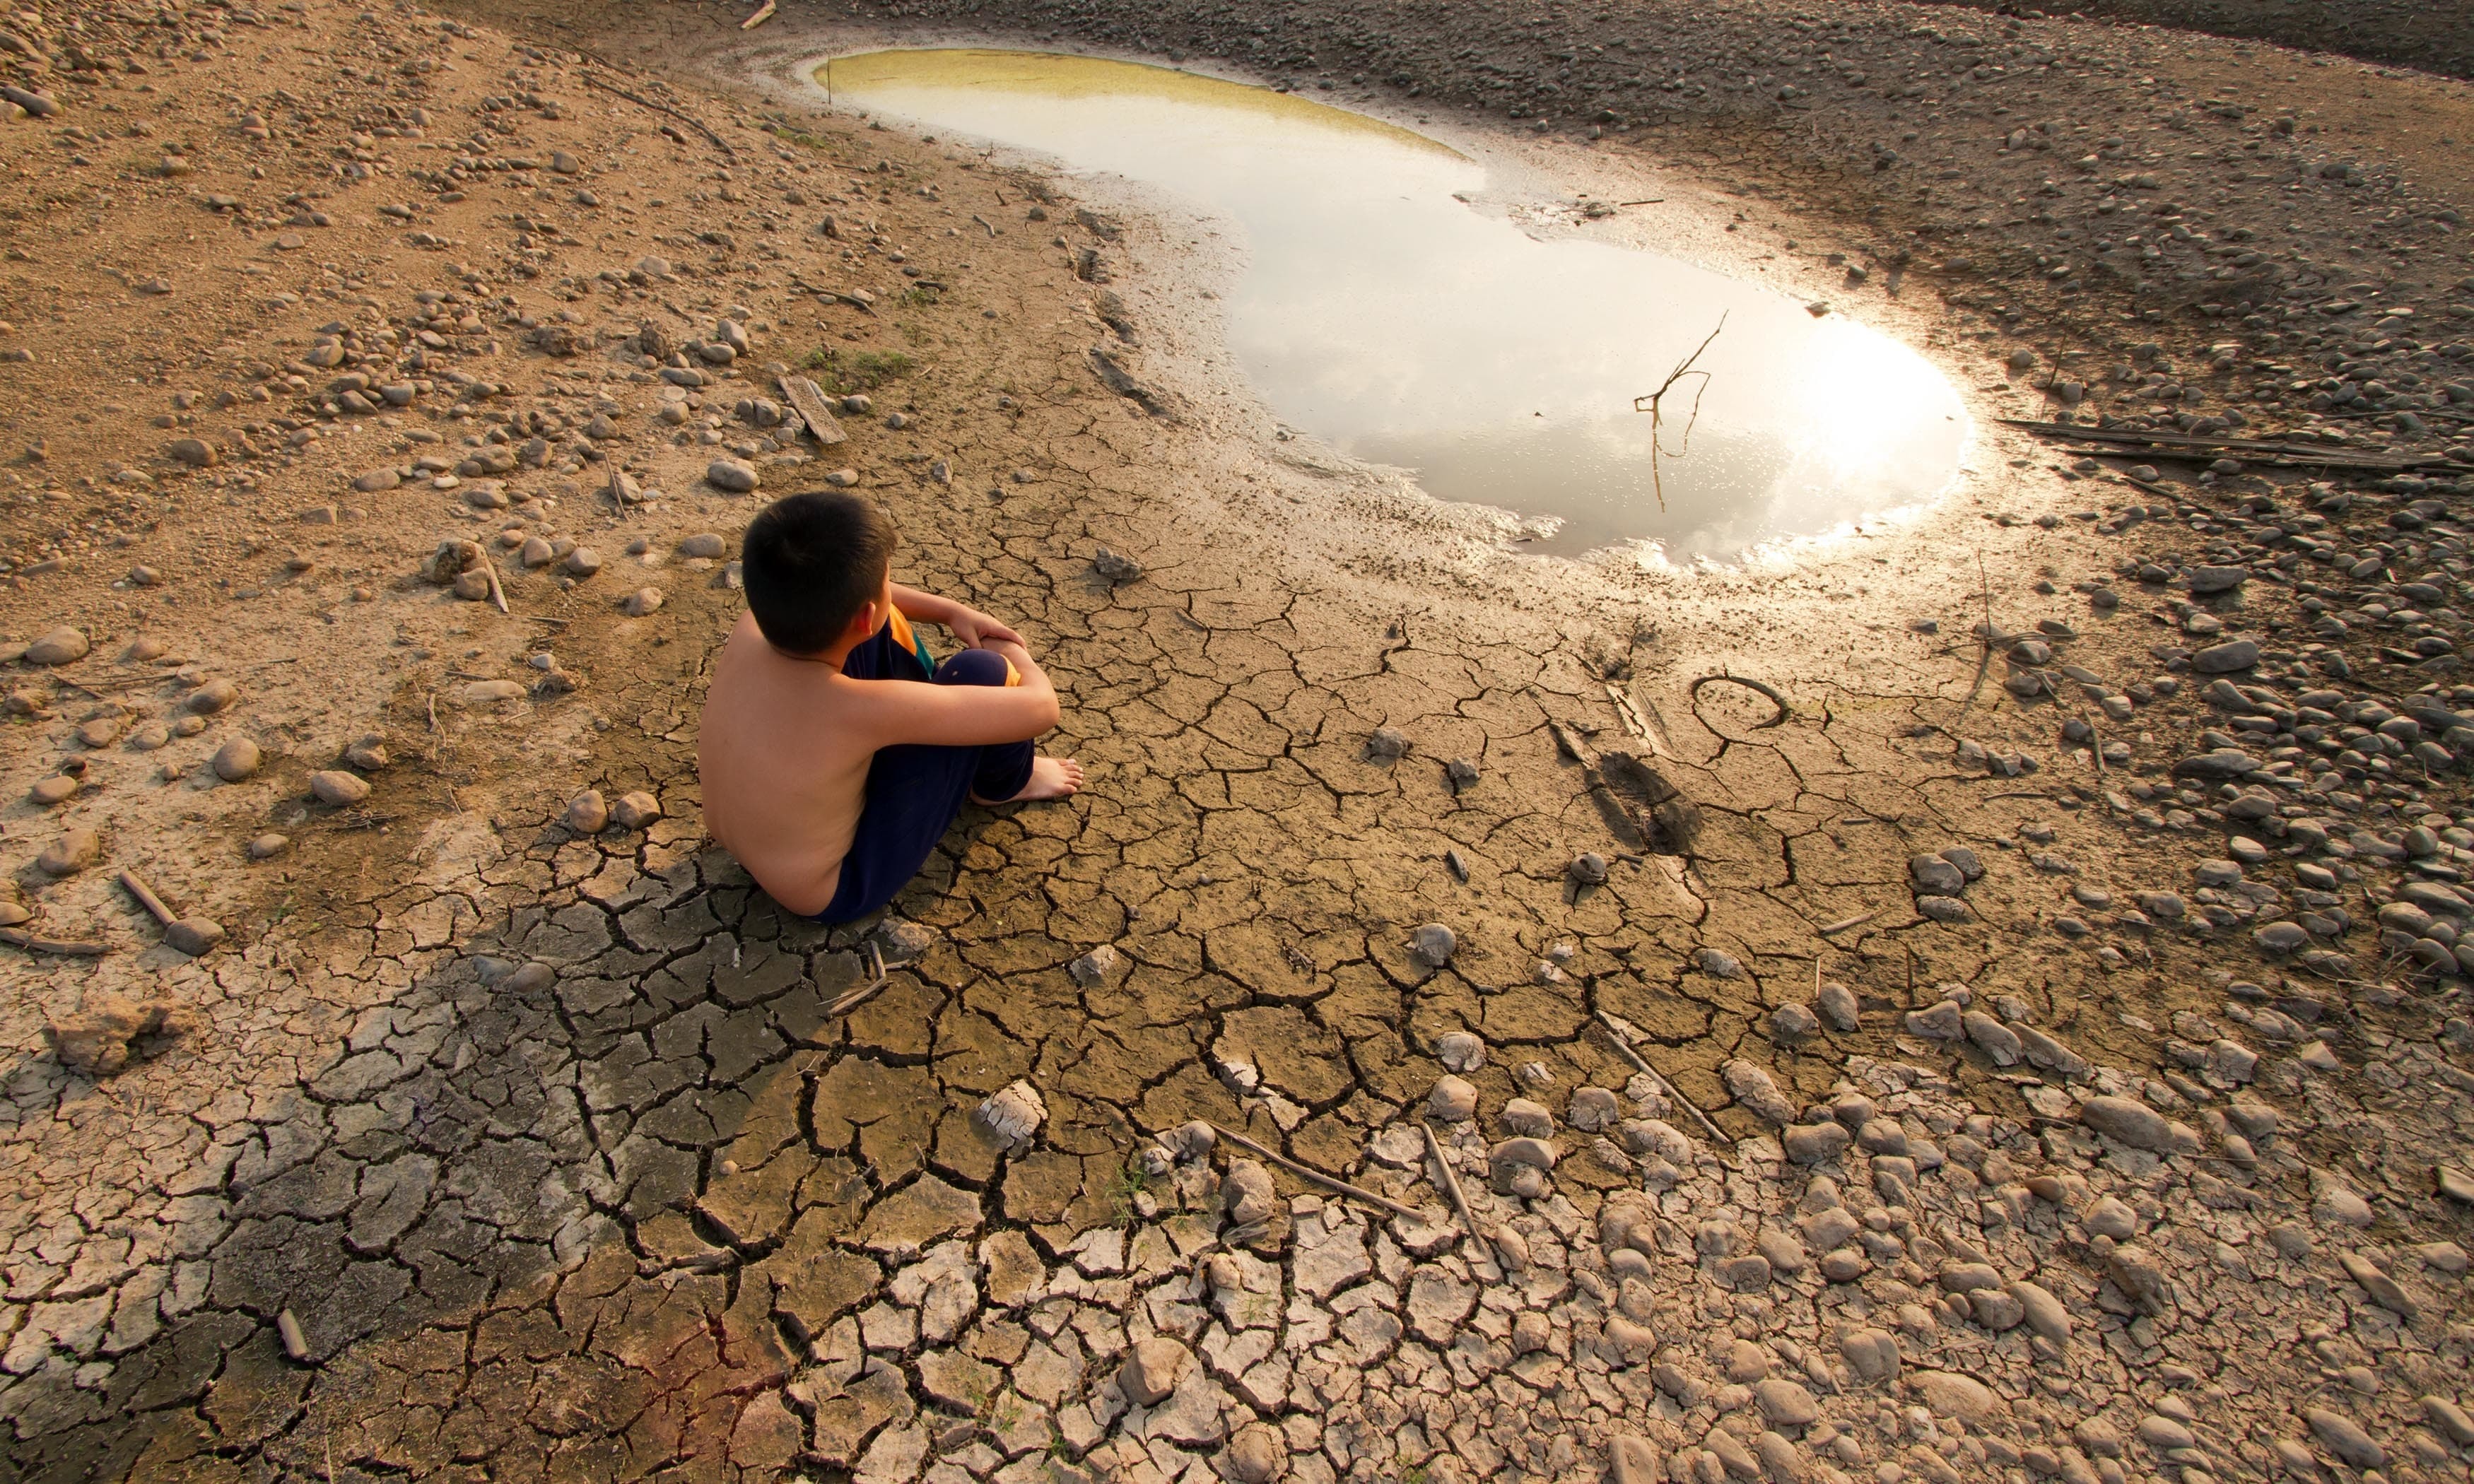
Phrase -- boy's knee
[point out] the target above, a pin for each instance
(972, 667)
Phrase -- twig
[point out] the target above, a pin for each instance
(31, 944)
(1857, 920)
(865, 992)
(434, 711)
(1760, 687)
(1451, 1184)
(1444, 1177)
(1329, 1182)
(1983, 661)
(147, 898)
(763, 14)
(1655, 1075)
(1683, 369)
(497, 594)
(718, 142)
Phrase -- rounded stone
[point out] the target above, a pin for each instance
(334, 786)
(238, 759)
(704, 543)
(1433, 945)
(58, 646)
(588, 813)
(634, 810)
(268, 846)
(212, 697)
(732, 475)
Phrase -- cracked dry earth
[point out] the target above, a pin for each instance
(2034, 1083)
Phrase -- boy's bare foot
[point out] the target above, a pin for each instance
(1050, 777)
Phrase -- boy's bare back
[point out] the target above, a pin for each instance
(783, 755)
(787, 743)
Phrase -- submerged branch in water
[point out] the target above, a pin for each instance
(1652, 404)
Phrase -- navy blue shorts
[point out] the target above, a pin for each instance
(913, 790)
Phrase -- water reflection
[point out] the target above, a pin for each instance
(1385, 316)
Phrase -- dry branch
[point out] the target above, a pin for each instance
(1654, 400)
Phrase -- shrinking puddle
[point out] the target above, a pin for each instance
(1381, 313)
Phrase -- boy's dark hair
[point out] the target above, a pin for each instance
(809, 562)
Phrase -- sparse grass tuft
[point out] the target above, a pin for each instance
(843, 373)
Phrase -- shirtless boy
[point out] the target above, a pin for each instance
(835, 752)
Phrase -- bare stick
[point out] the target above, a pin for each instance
(865, 992)
(1329, 1182)
(1451, 1184)
(31, 944)
(688, 119)
(147, 898)
(1657, 446)
(763, 14)
(1655, 1075)
(1444, 1177)
(1844, 924)
(497, 594)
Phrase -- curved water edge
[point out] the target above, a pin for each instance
(1382, 312)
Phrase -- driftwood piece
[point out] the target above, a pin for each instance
(71, 946)
(808, 401)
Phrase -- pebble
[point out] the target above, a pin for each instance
(238, 759)
(1096, 967)
(634, 809)
(57, 788)
(1153, 1369)
(211, 698)
(334, 786)
(1386, 745)
(1589, 869)
(267, 846)
(704, 543)
(1433, 945)
(641, 602)
(1113, 569)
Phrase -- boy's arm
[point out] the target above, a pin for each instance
(967, 715)
(964, 622)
